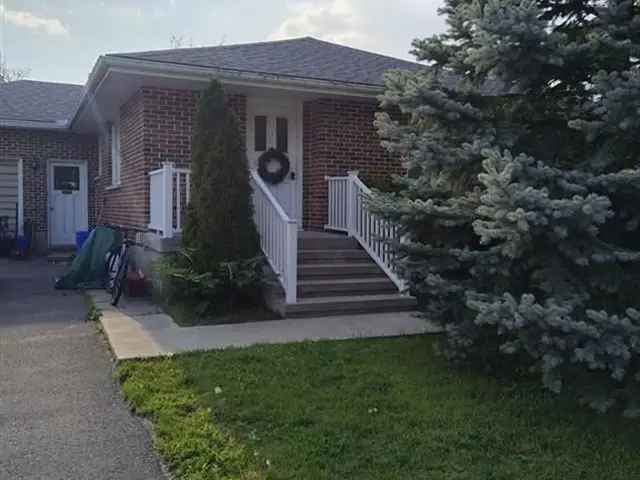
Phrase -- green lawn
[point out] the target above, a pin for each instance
(367, 409)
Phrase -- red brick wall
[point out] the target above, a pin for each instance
(156, 127)
(36, 147)
(338, 136)
(168, 123)
(123, 204)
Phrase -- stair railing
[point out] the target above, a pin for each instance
(348, 212)
(278, 236)
(338, 192)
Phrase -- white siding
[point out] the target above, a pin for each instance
(9, 190)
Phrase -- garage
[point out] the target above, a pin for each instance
(11, 203)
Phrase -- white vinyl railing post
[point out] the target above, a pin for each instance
(167, 203)
(178, 201)
(291, 263)
(351, 202)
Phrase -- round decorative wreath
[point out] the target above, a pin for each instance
(273, 176)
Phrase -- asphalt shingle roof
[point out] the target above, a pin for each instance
(303, 58)
(306, 58)
(34, 101)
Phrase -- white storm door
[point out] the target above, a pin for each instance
(276, 123)
(67, 202)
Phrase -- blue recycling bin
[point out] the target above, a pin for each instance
(22, 245)
(81, 237)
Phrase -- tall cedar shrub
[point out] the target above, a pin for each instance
(219, 226)
(521, 207)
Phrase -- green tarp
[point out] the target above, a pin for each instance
(88, 269)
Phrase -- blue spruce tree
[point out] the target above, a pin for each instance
(521, 206)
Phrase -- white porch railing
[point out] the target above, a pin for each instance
(348, 212)
(169, 194)
(338, 191)
(278, 236)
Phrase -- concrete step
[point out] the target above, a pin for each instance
(331, 306)
(61, 256)
(345, 286)
(335, 271)
(333, 256)
(333, 242)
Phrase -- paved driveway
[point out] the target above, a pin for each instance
(61, 414)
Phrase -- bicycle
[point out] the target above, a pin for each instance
(118, 267)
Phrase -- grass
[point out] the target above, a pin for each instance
(93, 313)
(367, 409)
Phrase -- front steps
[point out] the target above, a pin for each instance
(336, 270)
(345, 286)
(337, 277)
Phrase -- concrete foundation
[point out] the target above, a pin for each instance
(146, 255)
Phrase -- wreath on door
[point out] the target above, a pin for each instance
(266, 168)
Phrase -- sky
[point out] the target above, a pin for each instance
(60, 40)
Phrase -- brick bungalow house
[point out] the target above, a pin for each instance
(117, 151)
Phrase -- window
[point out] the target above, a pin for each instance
(66, 179)
(101, 144)
(282, 134)
(260, 133)
(116, 159)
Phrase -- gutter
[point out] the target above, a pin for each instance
(33, 124)
(123, 64)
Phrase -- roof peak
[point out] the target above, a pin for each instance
(231, 45)
(264, 42)
(303, 57)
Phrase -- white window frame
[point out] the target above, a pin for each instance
(116, 155)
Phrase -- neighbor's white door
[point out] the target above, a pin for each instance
(277, 123)
(67, 202)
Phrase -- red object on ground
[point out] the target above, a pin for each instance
(135, 284)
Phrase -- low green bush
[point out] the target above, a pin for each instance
(232, 284)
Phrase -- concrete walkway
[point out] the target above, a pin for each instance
(61, 413)
(138, 329)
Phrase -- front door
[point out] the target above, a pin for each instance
(277, 123)
(67, 202)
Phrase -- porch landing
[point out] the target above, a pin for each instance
(138, 330)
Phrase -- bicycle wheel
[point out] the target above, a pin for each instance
(118, 282)
(112, 265)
